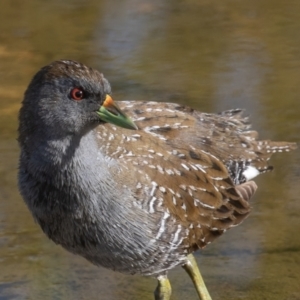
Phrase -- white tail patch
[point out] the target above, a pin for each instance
(250, 172)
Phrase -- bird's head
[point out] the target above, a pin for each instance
(69, 98)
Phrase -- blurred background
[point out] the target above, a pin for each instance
(209, 54)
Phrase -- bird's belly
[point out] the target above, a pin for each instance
(148, 261)
(132, 253)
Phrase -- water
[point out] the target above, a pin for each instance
(212, 55)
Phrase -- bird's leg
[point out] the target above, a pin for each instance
(192, 269)
(163, 289)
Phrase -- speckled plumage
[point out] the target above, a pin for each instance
(133, 201)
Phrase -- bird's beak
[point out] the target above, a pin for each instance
(111, 113)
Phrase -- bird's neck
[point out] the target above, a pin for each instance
(70, 174)
(67, 158)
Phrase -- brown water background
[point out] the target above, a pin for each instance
(212, 55)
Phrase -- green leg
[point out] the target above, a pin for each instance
(163, 289)
(193, 271)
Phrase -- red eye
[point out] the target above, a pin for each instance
(77, 94)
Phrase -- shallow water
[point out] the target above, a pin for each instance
(212, 55)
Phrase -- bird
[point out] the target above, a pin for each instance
(136, 187)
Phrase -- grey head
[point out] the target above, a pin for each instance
(62, 99)
(66, 99)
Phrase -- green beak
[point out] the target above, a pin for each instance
(111, 113)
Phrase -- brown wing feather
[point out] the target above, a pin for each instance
(179, 167)
(246, 190)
